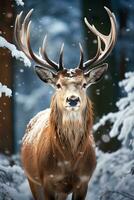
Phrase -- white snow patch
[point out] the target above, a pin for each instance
(19, 2)
(15, 53)
(4, 89)
(110, 116)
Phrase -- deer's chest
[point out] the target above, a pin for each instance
(67, 175)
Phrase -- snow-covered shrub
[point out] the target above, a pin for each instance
(13, 184)
(114, 175)
(123, 119)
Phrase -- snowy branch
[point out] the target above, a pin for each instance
(123, 119)
(15, 53)
(109, 193)
(4, 89)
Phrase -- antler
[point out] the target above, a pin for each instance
(22, 37)
(108, 40)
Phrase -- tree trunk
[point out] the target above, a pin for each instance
(6, 110)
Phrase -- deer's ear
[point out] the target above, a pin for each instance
(45, 75)
(95, 74)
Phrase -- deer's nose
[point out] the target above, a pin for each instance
(73, 100)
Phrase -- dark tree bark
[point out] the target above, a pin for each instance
(6, 111)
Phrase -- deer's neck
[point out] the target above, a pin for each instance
(71, 128)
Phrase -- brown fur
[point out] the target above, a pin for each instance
(53, 167)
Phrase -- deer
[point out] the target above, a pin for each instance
(58, 148)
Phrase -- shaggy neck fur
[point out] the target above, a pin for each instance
(71, 128)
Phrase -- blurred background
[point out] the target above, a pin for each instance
(62, 20)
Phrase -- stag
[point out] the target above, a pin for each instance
(58, 152)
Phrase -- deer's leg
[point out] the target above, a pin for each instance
(61, 196)
(54, 196)
(36, 190)
(80, 194)
(49, 195)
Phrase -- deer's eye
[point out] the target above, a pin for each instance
(84, 85)
(58, 86)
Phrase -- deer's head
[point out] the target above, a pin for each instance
(70, 84)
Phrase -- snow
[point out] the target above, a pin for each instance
(37, 123)
(113, 173)
(4, 89)
(19, 2)
(14, 52)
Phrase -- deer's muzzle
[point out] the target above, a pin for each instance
(73, 101)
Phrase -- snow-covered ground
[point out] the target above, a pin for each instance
(113, 177)
(13, 184)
